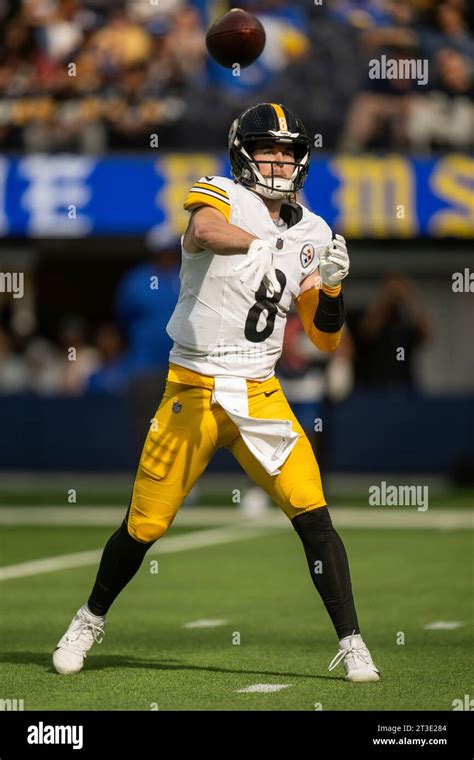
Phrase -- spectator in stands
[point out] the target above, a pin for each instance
(79, 358)
(146, 298)
(120, 43)
(113, 373)
(376, 118)
(444, 118)
(14, 375)
(388, 335)
(45, 366)
(445, 25)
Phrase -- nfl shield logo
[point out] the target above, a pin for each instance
(307, 254)
(177, 406)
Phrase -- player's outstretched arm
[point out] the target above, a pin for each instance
(208, 230)
(320, 305)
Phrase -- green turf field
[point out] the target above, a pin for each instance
(260, 588)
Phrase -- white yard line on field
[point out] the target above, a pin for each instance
(195, 540)
(204, 623)
(263, 688)
(110, 516)
(444, 625)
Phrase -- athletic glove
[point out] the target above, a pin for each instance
(258, 266)
(334, 262)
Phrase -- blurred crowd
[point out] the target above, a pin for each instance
(99, 75)
(94, 356)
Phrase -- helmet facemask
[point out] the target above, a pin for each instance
(274, 186)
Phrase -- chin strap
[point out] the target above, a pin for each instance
(282, 195)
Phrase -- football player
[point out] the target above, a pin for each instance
(250, 249)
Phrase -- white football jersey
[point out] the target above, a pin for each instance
(220, 326)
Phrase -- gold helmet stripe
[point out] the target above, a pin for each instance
(280, 116)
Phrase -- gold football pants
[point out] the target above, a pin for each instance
(184, 434)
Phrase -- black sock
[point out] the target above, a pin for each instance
(121, 558)
(322, 543)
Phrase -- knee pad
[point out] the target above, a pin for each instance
(304, 494)
(144, 530)
(132, 539)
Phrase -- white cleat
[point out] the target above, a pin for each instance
(356, 660)
(71, 650)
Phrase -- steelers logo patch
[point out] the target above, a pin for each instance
(307, 254)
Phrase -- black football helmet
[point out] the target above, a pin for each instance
(268, 121)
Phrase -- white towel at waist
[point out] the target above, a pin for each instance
(270, 441)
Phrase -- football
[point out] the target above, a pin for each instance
(236, 37)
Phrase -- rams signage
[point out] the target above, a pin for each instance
(364, 196)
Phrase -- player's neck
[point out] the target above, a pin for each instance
(274, 206)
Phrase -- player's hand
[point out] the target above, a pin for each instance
(258, 266)
(334, 262)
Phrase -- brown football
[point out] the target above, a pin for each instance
(236, 37)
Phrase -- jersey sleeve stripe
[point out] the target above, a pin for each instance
(206, 199)
(204, 191)
(205, 186)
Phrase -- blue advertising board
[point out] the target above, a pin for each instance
(360, 196)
